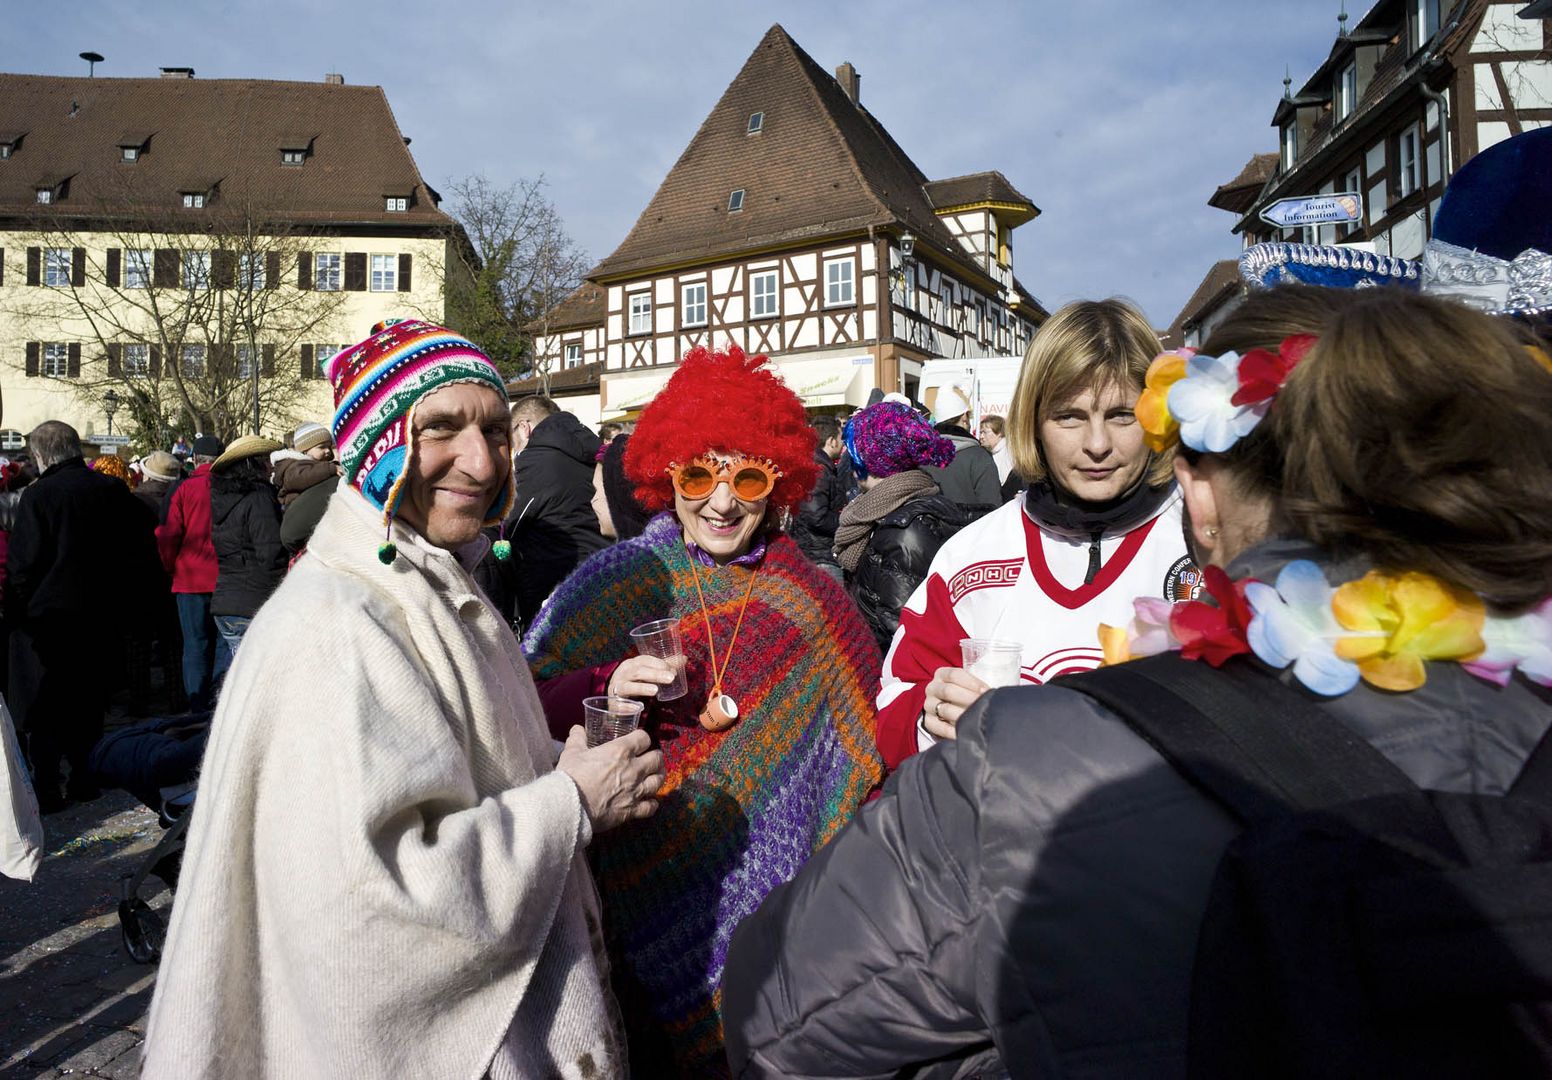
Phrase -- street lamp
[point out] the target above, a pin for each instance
(110, 405)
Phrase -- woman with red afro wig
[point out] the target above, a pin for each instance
(764, 716)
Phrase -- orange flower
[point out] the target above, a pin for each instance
(1152, 409)
(1404, 620)
(1116, 643)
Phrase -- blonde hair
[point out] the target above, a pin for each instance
(1090, 343)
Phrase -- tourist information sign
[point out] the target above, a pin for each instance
(1342, 207)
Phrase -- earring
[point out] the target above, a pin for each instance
(1212, 532)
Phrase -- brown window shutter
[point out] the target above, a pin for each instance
(309, 369)
(404, 272)
(223, 269)
(165, 267)
(115, 264)
(73, 364)
(78, 268)
(271, 269)
(34, 265)
(33, 348)
(156, 361)
(304, 270)
(267, 360)
(355, 271)
(115, 354)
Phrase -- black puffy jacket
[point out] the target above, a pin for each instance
(898, 555)
(245, 531)
(813, 526)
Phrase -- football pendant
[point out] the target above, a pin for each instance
(720, 713)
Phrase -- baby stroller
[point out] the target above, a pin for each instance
(156, 761)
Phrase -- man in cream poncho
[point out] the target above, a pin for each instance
(384, 874)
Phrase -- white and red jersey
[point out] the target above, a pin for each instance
(1007, 577)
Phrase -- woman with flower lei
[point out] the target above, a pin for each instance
(1368, 480)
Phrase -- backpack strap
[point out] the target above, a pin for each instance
(1249, 741)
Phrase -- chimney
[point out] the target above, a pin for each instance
(334, 79)
(850, 82)
(177, 73)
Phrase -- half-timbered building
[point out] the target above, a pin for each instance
(794, 225)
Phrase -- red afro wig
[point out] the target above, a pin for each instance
(729, 403)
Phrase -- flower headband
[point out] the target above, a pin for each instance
(1211, 402)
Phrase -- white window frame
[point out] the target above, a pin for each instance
(195, 266)
(137, 360)
(246, 357)
(328, 271)
(129, 153)
(764, 303)
(736, 201)
(572, 354)
(396, 204)
(1347, 91)
(383, 273)
(193, 200)
(251, 273)
(1426, 16)
(1409, 167)
(56, 267)
(191, 361)
(639, 308)
(45, 195)
(756, 123)
(693, 304)
(1290, 144)
(293, 157)
(137, 268)
(840, 287)
(55, 360)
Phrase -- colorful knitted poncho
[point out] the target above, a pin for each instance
(744, 808)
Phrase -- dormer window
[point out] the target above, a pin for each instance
(132, 144)
(1347, 91)
(1290, 145)
(756, 123)
(5, 150)
(193, 200)
(51, 189)
(295, 149)
(736, 201)
(45, 195)
(396, 204)
(292, 157)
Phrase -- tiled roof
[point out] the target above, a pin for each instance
(976, 188)
(1239, 194)
(820, 166)
(581, 378)
(1222, 281)
(586, 306)
(196, 132)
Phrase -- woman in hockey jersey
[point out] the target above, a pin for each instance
(1099, 525)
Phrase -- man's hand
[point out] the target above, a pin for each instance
(618, 781)
(951, 691)
(641, 677)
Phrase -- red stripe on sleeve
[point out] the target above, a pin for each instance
(931, 641)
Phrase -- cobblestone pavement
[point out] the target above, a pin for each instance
(72, 1002)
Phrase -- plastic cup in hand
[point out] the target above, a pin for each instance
(995, 663)
(606, 718)
(661, 639)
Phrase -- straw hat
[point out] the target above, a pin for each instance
(246, 447)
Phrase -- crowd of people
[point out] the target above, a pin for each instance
(1259, 784)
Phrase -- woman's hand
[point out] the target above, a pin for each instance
(641, 677)
(951, 691)
(618, 781)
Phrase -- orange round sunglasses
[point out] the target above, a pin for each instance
(750, 478)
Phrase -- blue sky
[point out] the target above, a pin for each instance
(1117, 118)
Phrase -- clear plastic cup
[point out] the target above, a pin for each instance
(606, 718)
(661, 639)
(995, 663)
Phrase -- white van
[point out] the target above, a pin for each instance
(988, 382)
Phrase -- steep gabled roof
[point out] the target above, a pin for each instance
(981, 187)
(563, 383)
(819, 166)
(1220, 283)
(585, 306)
(1239, 194)
(197, 132)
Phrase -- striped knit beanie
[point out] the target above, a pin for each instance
(376, 387)
(890, 438)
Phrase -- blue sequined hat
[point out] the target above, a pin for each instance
(1266, 265)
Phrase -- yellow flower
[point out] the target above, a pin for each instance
(1405, 619)
(1116, 643)
(1152, 409)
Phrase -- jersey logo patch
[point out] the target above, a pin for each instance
(1183, 581)
(983, 575)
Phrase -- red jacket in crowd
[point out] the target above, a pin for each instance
(184, 541)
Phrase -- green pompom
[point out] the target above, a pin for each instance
(502, 549)
(387, 551)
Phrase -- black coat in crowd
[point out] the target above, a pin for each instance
(898, 555)
(245, 531)
(552, 527)
(813, 526)
(970, 480)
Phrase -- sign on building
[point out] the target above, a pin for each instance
(1301, 210)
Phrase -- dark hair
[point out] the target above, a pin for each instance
(1416, 431)
(826, 427)
(629, 516)
(609, 430)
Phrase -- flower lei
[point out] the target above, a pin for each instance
(1211, 402)
(1379, 628)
